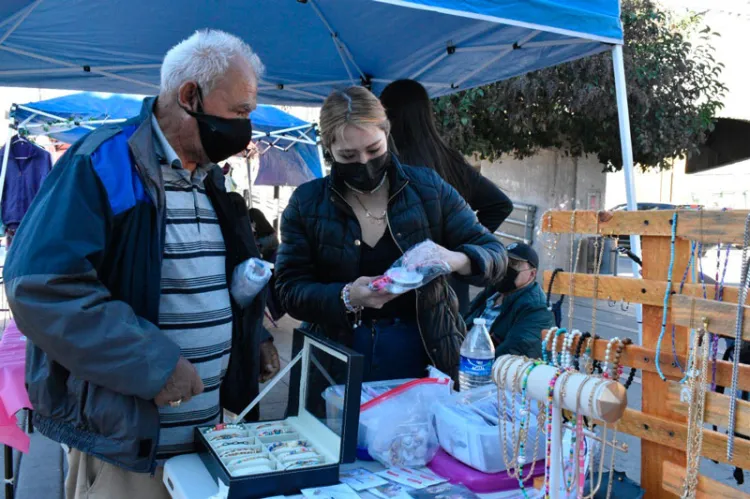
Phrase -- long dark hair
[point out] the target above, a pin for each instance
(416, 137)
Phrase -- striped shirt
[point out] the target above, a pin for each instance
(195, 310)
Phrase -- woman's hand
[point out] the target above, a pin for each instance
(457, 261)
(360, 294)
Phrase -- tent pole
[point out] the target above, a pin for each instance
(248, 164)
(627, 163)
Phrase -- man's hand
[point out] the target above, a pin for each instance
(183, 385)
(269, 361)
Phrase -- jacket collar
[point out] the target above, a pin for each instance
(396, 176)
(142, 142)
(516, 295)
(145, 150)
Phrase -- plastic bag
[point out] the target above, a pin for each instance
(417, 267)
(399, 423)
(248, 279)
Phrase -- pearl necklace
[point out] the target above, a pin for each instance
(696, 410)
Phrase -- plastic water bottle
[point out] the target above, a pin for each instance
(477, 356)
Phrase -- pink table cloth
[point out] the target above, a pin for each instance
(13, 394)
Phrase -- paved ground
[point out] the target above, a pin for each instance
(42, 471)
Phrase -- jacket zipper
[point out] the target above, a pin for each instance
(162, 228)
(416, 295)
(416, 292)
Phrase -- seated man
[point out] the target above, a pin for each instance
(515, 308)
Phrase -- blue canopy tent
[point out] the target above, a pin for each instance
(287, 144)
(312, 46)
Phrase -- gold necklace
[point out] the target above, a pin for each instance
(574, 257)
(696, 410)
(374, 219)
(598, 257)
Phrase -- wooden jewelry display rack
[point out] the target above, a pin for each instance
(662, 424)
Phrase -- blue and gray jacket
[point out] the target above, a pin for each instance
(83, 281)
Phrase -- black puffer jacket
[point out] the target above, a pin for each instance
(320, 252)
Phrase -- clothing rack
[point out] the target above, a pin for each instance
(661, 424)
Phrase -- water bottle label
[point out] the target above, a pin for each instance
(476, 367)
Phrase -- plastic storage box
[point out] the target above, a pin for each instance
(467, 429)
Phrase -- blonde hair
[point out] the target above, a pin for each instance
(354, 106)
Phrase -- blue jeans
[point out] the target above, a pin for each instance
(392, 348)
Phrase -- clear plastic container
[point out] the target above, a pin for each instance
(477, 356)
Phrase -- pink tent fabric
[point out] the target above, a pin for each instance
(13, 394)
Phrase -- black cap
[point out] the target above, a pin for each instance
(523, 252)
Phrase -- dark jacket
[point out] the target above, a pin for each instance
(83, 282)
(320, 252)
(518, 328)
(492, 207)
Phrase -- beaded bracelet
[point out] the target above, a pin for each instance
(555, 357)
(567, 354)
(631, 375)
(617, 366)
(550, 333)
(579, 349)
(611, 367)
(346, 293)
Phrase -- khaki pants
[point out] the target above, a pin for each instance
(92, 478)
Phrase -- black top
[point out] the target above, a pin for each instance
(491, 204)
(375, 262)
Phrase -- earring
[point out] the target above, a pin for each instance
(610, 302)
(624, 306)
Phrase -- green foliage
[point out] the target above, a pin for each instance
(674, 92)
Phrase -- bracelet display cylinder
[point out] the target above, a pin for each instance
(600, 398)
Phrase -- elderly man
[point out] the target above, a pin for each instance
(119, 277)
(515, 308)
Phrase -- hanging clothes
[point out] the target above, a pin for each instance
(28, 166)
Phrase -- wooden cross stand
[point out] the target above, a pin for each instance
(661, 424)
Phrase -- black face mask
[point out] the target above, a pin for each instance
(507, 283)
(221, 137)
(362, 177)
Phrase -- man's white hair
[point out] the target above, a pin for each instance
(204, 58)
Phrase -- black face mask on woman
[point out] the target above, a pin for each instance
(507, 283)
(221, 137)
(363, 177)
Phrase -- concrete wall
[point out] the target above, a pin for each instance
(550, 181)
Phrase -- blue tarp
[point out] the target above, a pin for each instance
(279, 167)
(308, 46)
(299, 160)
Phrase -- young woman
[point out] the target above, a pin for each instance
(340, 232)
(418, 143)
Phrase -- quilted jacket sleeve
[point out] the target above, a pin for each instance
(463, 232)
(303, 297)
